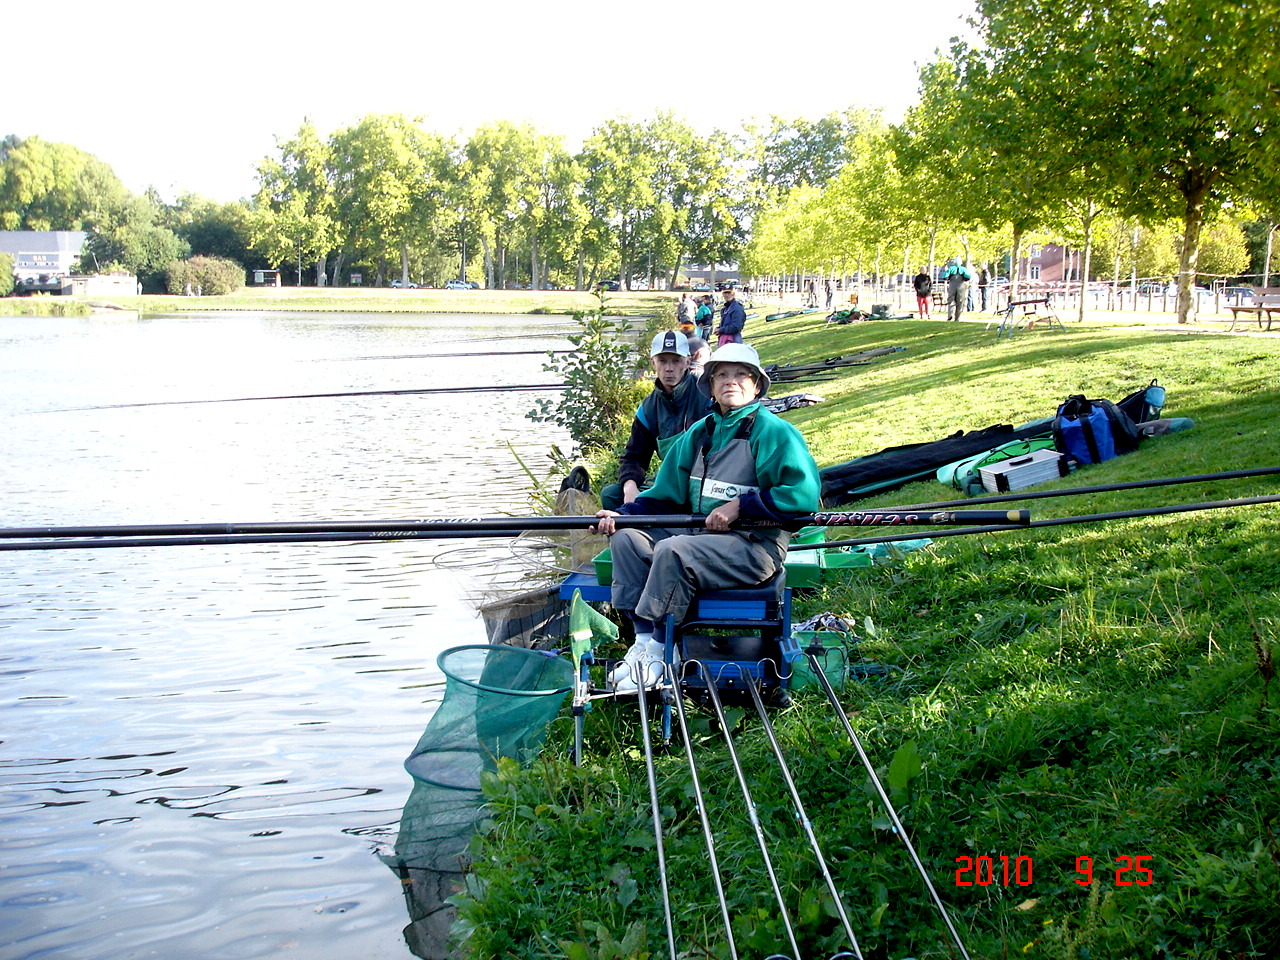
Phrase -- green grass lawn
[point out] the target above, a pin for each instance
(1100, 691)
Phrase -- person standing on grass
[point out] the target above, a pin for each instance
(957, 277)
(732, 318)
(983, 280)
(923, 285)
(704, 319)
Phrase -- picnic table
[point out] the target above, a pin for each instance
(1025, 313)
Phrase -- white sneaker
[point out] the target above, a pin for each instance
(649, 664)
(629, 660)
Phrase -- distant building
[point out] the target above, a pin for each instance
(43, 260)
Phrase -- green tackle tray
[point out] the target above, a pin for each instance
(805, 568)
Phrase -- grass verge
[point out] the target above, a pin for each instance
(1078, 697)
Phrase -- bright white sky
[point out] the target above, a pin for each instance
(189, 97)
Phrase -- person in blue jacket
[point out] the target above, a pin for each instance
(740, 462)
(673, 407)
(732, 318)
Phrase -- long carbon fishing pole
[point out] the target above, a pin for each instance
(432, 356)
(107, 543)
(712, 861)
(1099, 488)
(752, 813)
(513, 388)
(898, 828)
(434, 525)
(801, 815)
(1055, 522)
(653, 802)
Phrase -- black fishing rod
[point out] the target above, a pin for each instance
(105, 543)
(317, 396)
(801, 815)
(432, 356)
(752, 813)
(898, 828)
(784, 372)
(1099, 488)
(504, 526)
(1056, 522)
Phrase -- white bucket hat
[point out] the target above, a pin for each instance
(742, 353)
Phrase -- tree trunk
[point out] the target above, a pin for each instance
(321, 276)
(381, 280)
(533, 261)
(488, 261)
(404, 264)
(298, 250)
(1014, 280)
(335, 277)
(1196, 190)
(1090, 212)
(582, 260)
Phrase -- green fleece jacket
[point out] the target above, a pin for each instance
(785, 470)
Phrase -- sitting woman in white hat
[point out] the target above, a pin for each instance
(741, 462)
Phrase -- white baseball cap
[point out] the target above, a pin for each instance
(670, 341)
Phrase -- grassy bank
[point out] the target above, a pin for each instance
(1099, 691)
(386, 300)
(564, 302)
(43, 307)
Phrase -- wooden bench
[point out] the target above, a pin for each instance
(1025, 313)
(1265, 304)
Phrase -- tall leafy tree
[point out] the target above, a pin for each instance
(1182, 122)
(55, 186)
(293, 214)
(389, 187)
(620, 169)
(508, 163)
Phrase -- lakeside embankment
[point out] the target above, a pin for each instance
(565, 302)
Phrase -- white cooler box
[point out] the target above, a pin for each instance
(1025, 471)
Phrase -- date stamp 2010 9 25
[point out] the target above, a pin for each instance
(1019, 871)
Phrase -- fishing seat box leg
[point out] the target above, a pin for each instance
(760, 650)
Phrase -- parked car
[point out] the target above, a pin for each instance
(702, 288)
(458, 285)
(1238, 295)
(403, 285)
(609, 285)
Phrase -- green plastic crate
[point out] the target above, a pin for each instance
(837, 563)
(603, 562)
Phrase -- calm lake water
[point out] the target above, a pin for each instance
(202, 746)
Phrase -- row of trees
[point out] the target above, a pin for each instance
(1094, 123)
(639, 199)
(56, 186)
(389, 197)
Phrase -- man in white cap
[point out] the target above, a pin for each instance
(672, 408)
(740, 462)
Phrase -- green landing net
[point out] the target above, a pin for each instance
(498, 703)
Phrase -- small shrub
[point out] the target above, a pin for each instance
(600, 390)
(210, 276)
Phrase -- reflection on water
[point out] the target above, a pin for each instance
(202, 745)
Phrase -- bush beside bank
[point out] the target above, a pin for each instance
(1100, 691)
